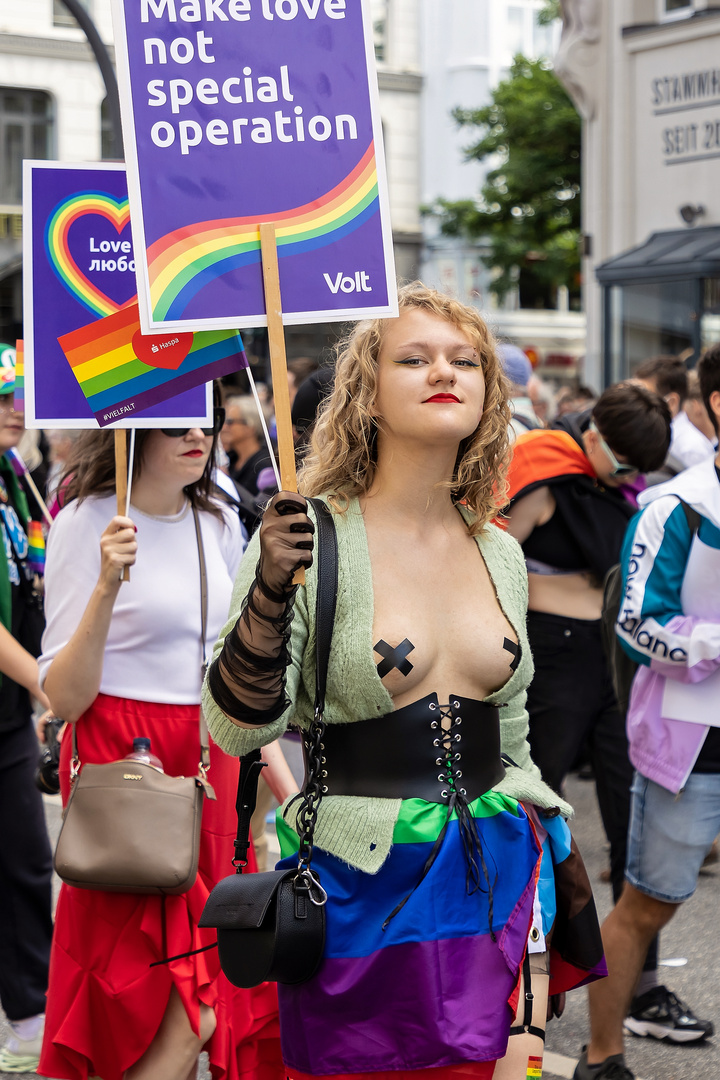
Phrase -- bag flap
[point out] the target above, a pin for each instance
(241, 901)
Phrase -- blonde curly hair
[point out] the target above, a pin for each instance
(342, 458)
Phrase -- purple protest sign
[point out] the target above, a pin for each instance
(78, 266)
(239, 112)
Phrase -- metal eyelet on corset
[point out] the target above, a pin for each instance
(438, 761)
(463, 791)
(457, 738)
(325, 789)
(432, 706)
(324, 773)
(442, 777)
(456, 704)
(436, 742)
(433, 725)
(458, 720)
(444, 793)
(458, 774)
(457, 756)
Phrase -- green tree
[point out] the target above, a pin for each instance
(549, 12)
(528, 210)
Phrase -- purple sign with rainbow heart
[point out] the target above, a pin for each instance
(78, 266)
(239, 112)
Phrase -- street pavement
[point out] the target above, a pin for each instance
(692, 936)
(690, 958)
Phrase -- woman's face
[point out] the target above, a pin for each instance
(430, 383)
(178, 461)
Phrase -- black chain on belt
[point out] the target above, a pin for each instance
(306, 819)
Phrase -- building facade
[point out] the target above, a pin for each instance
(645, 76)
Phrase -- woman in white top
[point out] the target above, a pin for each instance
(121, 661)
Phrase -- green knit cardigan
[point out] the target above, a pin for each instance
(359, 830)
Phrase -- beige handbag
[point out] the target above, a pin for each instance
(128, 827)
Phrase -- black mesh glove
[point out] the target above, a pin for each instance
(248, 678)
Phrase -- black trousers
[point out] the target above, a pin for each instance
(25, 877)
(571, 704)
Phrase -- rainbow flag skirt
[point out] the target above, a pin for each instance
(431, 991)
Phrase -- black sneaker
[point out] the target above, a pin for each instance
(662, 1015)
(612, 1068)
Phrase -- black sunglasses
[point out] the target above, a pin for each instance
(181, 432)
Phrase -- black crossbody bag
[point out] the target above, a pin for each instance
(271, 926)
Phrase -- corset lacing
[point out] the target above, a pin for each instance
(448, 742)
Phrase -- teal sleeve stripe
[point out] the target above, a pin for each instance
(661, 599)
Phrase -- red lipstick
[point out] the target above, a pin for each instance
(442, 397)
(193, 453)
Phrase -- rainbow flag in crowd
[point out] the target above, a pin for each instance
(122, 371)
(36, 555)
(19, 391)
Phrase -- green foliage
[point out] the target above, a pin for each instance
(549, 12)
(529, 206)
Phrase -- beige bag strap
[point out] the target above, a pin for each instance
(204, 737)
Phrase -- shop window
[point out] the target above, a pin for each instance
(26, 131)
(710, 320)
(648, 319)
(61, 15)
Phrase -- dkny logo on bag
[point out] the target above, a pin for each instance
(131, 776)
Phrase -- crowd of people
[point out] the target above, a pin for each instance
(478, 513)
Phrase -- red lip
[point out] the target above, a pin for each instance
(193, 453)
(442, 397)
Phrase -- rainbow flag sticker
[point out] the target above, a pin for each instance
(534, 1068)
(122, 371)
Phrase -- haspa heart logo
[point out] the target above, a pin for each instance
(159, 351)
(65, 214)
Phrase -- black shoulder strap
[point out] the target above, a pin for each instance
(327, 573)
(692, 517)
(251, 764)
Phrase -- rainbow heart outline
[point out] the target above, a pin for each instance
(116, 211)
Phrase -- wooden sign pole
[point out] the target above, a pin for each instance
(121, 472)
(278, 364)
(278, 358)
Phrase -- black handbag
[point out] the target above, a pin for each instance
(271, 926)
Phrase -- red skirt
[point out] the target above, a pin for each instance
(105, 1003)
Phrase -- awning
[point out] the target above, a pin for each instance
(676, 253)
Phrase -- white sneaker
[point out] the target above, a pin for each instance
(20, 1055)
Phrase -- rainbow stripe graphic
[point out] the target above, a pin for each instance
(116, 211)
(19, 391)
(534, 1068)
(184, 261)
(116, 384)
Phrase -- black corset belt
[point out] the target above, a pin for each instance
(423, 751)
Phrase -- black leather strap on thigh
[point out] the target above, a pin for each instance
(527, 1027)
